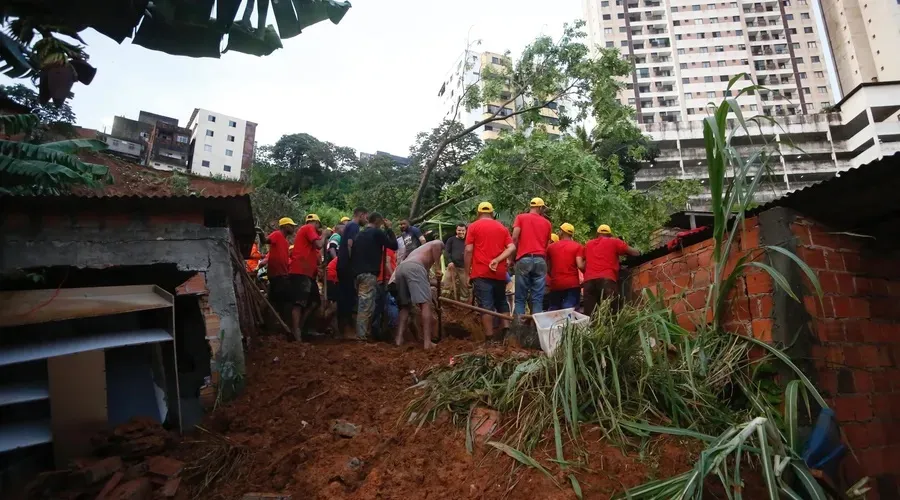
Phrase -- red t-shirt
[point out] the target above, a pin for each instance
(331, 271)
(533, 235)
(602, 258)
(305, 256)
(489, 239)
(563, 266)
(278, 254)
(393, 259)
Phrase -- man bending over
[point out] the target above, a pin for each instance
(414, 287)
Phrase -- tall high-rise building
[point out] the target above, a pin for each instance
(466, 72)
(220, 144)
(864, 35)
(685, 52)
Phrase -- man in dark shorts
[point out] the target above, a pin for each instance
(278, 266)
(564, 259)
(414, 287)
(601, 274)
(346, 278)
(488, 246)
(305, 256)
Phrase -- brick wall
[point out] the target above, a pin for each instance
(857, 345)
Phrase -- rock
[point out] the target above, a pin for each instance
(354, 463)
(484, 422)
(135, 471)
(100, 470)
(170, 489)
(136, 489)
(266, 496)
(344, 429)
(164, 466)
(110, 485)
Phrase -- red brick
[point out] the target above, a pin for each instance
(822, 238)
(643, 279)
(195, 285)
(750, 238)
(16, 221)
(101, 469)
(136, 489)
(857, 434)
(692, 261)
(685, 322)
(827, 382)
(697, 300)
(862, 381)
(738, 309)
(857, 330)
(110, 485)
(193, 217)
(830, 330)
(850, 307)
(828, 282)
(880, 287)
(679, 307)
(814, 258)
(701, 278)
(834, 261)
(759, 283)
(683, 282)
(859, 308)
(883, 404)
(881, 382)
(266, 496)
(765, 306)
(762, 329)
(834, 354)
(801, 232)
(705, 258)
(894, 288)
(852, 408)
(845, 283)
(164, 466)
(852, 262)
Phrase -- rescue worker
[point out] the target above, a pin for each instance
(278, 266)
(601, 274)
(531, 232)
(564, 259)
(488, 246)
(304, 266)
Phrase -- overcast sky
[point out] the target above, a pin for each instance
(370, 82)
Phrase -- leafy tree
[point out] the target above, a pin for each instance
(579, 187)
(381, 184)
(298, 163)
(548, 71)
(55, 120)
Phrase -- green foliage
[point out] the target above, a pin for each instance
(579, 187)
(50, 168)
(46, 113)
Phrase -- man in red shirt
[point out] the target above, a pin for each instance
(381, 295)
(304, 265)
(602, 268)
(564, 259)
(488, 245)
(277, 262)
(531, 232)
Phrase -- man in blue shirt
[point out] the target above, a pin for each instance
(346, 278)
(412, 237)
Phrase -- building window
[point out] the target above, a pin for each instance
(681, 51)
(708, 79)
(181, 138)
(804, 15)
(229, 138)
(130, 146)
(809, 106)
(820, 74)
(683, 65)
(695, 7)
(713, 20)
(793, 31)
(786, 3)
(739, 32)
(607, 31)
(795, 45)
(720, 48)
(685, 80)
(753, 107)
(211, 118)
(229, 152)
(822, 90)
(232, 124)
(207, 148)
(620, 15)
(205, 163)
(736, 18)
(789, 17)
(803, 75)
(798, 60)
(698, 21)
(115, 142)
(720, 64)
(210, 133)
(802, 2)
(716, 34)
(811, 45)
(621, 29)
(609, 44)
(631, 101)
(704, 50)
(701, 35)
(705, 64)
(604, 3)
(495, 60)
(687, 95)
(607, 17)
(145, 135)
(711, 95)
(806, 90)
(808, 29)
(624, 43)
(814, 59)
(227, 168)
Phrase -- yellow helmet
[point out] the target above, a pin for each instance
(312, 217)
(286, 221)
(554, 237)
(345, 219)
(567, 228)
(537, 202)
(485, 208)
(604, 229)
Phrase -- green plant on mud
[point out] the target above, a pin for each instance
(638, 372)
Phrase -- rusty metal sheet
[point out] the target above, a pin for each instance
(42, 306)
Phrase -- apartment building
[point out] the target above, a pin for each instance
(863, 35)
(861, 128)
(686, 51)
(221, 145)
(466, 73)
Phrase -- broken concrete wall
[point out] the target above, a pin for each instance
(91, 240)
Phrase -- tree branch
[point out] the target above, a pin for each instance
(440, 206)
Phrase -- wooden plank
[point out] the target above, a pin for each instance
(42, 306)
(77, 402)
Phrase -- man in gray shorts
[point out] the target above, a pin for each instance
(414, 287)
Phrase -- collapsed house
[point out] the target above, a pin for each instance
(847, 230)
(118, 302)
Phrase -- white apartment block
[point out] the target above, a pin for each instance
(685, 52)
(864, 35)
(221, 145)
(467, 72)
(863, 127)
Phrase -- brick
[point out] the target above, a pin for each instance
(764, 306)
(685, 322)
(682, 282)
(828, 282)
(643, 279)
(705, 258)
(880, 287)
(821, 238)
(827, 383)
(762, 329)
(101, 469)
(857, 330)
(266, 496)
(862, 381)
(881, 382)
(758, 283)
(850, 307)
(830, 330)
(863, 286)
(801, 233)
(136, 489)
(845, 283)
(750, 238)
(859, 308)
(195, 285)
(697, 300)
(692, 261)
(164, 466)
(814, 258)
(857, 434)
(170, 488)
(853, 262)
(834, 261)
(110, 485)
(701, 278)
(852, 408)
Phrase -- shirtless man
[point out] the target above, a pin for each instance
(414, 287)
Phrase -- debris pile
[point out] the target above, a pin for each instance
(127, 465)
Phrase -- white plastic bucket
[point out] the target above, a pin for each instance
(550, 326)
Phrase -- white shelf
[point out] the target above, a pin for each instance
(24, 434)
(32, 352)
(23, 393)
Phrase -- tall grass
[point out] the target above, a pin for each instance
(638, 372)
